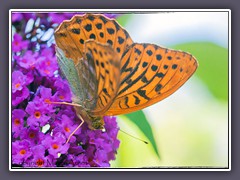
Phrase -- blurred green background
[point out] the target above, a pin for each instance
(189, 128)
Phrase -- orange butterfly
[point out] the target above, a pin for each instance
(109, 74)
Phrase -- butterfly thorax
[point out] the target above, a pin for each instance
(94, 122)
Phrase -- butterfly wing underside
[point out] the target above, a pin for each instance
(131, 76)
(94, 79)
(150, 73)
(69, 71)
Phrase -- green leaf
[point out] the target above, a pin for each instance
(123, 19)
(141, 121)
(213, 66)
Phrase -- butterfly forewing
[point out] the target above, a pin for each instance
(157, 73)
(71, 35)
(70, 72)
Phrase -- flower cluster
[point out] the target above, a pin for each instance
(40, 129)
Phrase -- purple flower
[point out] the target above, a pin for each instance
(28, 60)
(28, 15)
(47, 63)
(80, 160)
(39, 159)
(18, 43)
(46, 97)
(63, 91)
(37, 111)
(56, 144)
(33, 134)
(17, 121)
(40, 129)
(20, 151)
(57, 17)
(67, 126)
(19, 80)
(17, 17)
(20, 96)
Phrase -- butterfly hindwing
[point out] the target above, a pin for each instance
(149, 74)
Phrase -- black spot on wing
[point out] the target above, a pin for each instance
(158, 57)
(100, 53)
(165, 66)
(158, 87)
(78, 20)
(99, 25)
(160, 75)
(126, 101)
(103, 19)
(106, 92)
(137, 101)
(118, 49)
(154, 68)
(144, 79)
(102, 64)
(91, 17)
(92, 36)
(137, 51)
(75, 31)
(149, 52)
(101, 34)
(110, 42)
(62, 35)
(174, 66)
(144, 64)
(142, 93)
(81, 41)
(120, 40)
(119, 104)
(110, 31)
(97, 62)
(102, 76)
(116, 25)
(145, 45)
(88, 27)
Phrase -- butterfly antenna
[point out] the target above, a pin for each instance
(134, 137)
(69, 137)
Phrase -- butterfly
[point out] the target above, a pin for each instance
(110, 74)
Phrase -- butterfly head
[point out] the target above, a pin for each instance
(96, 123)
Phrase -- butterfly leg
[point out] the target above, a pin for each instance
(75, 129)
